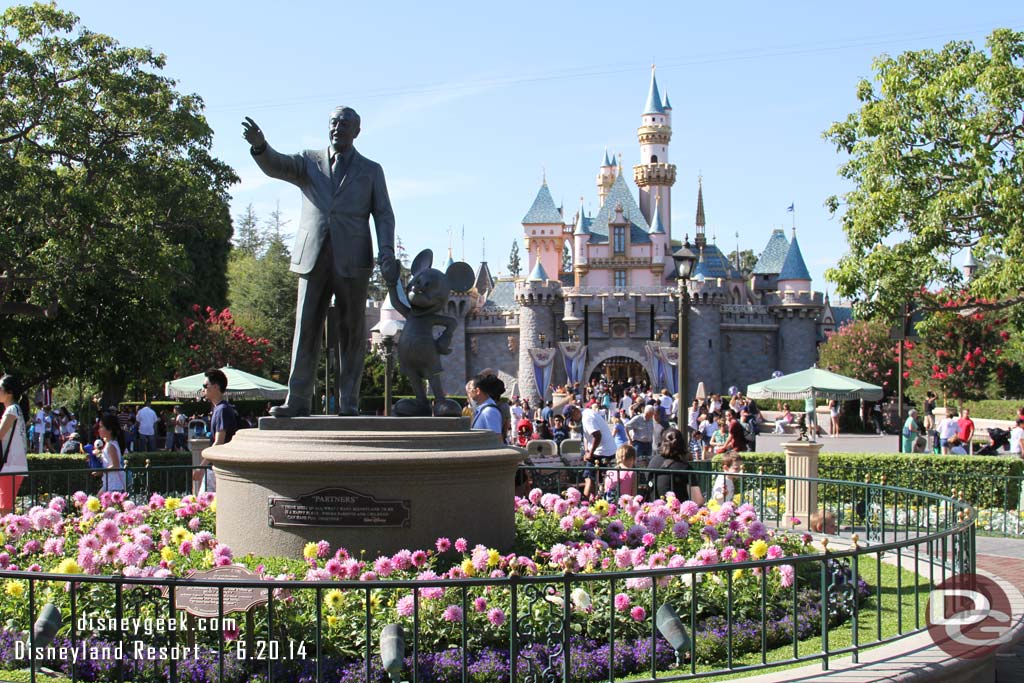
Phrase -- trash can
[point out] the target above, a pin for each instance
(197, 443)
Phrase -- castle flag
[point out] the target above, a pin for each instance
(790, 208)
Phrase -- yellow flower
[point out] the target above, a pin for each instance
(167, 553)
(713, 504)
(310, 551)
(334, 598)
(213, 506)
(15, 589)
(332, 620)
(374, 602)
(68, 566)
(467, 567)
(92, 504)
(179, 534)
(172, 503)
(493, 558)
(3, 539)
(600, 508)
(737, 574)
(758, 549)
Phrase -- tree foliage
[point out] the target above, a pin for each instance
(566, 258)
(262, 298)
(747, 260)
(935, 159)
(515, 266)
(109, 195)
(960, 349)
(862, 349)
(212, 338)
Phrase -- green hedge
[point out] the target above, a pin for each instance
(994, 410)
(988, 482)
(65, 474)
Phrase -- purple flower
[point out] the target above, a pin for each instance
(496, 616)
(622, 602)
(452, 613)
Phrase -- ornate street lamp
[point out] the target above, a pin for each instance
(685, 260)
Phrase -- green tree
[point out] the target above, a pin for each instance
(566, 258)
(109, 194)
(249, 239)
(515, 266)
(934, 157)
(747, 260)
(863, 350)
(262, 296)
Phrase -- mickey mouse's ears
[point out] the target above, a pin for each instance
(460, 276)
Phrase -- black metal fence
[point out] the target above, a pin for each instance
(884, 549)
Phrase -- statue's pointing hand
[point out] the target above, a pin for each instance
(253, 135)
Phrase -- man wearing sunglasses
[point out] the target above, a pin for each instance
(223, 421)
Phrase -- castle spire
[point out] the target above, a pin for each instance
(657, 227)
(654, 105)
(701, 223)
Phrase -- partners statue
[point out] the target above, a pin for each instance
(341, 189)
(419, 352)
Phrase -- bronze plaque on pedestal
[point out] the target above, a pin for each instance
(205, 601)
(338, 507)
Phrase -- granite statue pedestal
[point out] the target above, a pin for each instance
(801, 495)
(377, 484)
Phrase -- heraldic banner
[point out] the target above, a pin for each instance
(574, 355)
(543, 359)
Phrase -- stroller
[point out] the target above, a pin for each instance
(997, 438)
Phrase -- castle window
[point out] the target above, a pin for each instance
(654, 158)
(620, 279)
(619, 237)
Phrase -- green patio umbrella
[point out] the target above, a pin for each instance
(815, 383)
(241, 385)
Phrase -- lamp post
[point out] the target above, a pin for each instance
(388, 331)
(685, 260)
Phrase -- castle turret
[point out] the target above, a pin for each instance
(701, 238)
(654, 175)
(797, 309)
(659, 238)
(538, 298)
(580, 239)
(769, 263)
(794, 276)
(605, 177)
(543, 228)
(970, 265)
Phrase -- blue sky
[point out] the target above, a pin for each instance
(467, 104)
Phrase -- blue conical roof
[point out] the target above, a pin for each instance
(607, 159)
(581, 222)
(654, 105)
(668, 105)
(538, 273)
(774, 255)
(794, 268)
(656, 226)
(543, 211)
(451, 261)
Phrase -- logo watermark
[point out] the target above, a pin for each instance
(969, 616)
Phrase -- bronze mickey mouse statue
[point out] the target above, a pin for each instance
(419, 352)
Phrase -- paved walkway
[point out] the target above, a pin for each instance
(1004, 557)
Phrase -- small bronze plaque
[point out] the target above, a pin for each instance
(204, 601)
(338, 507)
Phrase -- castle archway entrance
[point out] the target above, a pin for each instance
(621, 369)
(618, 360)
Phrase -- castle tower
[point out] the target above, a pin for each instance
(543, 227)
(580, 239)
(797, 310)
(605, 177)
(970, 265)
(537, 297)
(654, 175)
(701, 238)
(659, 238)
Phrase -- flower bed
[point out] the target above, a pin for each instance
(609, 566)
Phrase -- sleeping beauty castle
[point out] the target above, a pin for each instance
(611, 309)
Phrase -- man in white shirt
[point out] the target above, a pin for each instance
(626, 403)
(147, 418)
(1017, 439)
(39, 427)
(948, 428)
(598, 443)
